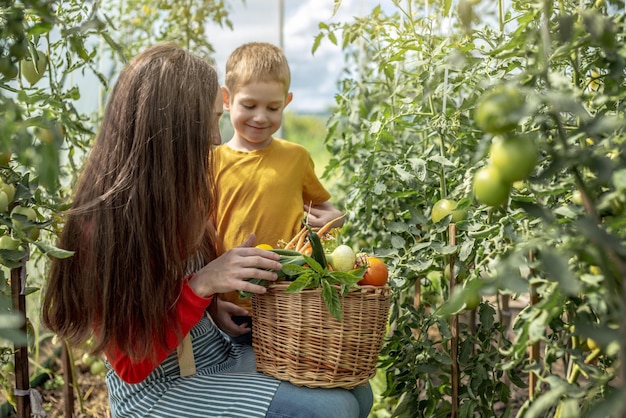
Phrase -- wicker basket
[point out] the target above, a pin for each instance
(296, 339)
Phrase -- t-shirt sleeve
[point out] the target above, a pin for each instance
(189, 310)
(313, 190)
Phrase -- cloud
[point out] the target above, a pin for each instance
(314, 76)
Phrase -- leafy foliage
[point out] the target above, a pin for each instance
(45, 131)
(403, 136)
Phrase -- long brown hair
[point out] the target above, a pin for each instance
(140, 208)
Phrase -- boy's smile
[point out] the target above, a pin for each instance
(256, 112)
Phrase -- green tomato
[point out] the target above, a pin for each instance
(18, 221)
(515, 158)
(499, 110)
(50, 134)
(445, 207)
(7, 242)
(460, 271)
(7, 68)
(9, 189)
(23, 211)
(472, 301)
(441, 209)
(33, 72)
(98, 368)
(4, 201)
(87, 359)
(489, 188)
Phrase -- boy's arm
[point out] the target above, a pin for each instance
(323, 213)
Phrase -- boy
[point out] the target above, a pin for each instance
(264, 184)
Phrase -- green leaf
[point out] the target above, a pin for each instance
(558, 270)
(346, 278)
(331, 299)
(314, 265)
(52, 251)
(302, 282)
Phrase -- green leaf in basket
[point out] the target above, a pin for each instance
(345, 278)
(331, 299)
(294, 269)
(304, 281)
(291, 259)
(314, 265)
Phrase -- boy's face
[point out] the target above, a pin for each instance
(256, 112)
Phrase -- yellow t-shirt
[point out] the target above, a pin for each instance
(264, 192)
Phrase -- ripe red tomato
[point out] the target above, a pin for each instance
(376, 273)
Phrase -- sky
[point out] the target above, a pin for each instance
(313, 77)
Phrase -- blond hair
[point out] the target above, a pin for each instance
(257, 62)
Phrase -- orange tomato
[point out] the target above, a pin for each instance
(376, 273)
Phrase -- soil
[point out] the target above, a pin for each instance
(95, 402)
(89, 401)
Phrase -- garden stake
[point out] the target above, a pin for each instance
(534, 348)
(454, 329)
(22, 385)
(68, 393)
(417, 295)
(505, 311)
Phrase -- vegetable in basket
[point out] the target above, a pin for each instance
(312, 272)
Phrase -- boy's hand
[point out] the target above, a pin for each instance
(222, 313)
(319, 215)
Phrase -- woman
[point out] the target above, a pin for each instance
(144, 269)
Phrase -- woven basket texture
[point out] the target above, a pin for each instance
(296, 339)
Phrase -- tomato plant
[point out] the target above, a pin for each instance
(425, 91)
(47, 50)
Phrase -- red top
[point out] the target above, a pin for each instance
(189, 310)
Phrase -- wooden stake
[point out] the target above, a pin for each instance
(454, 329)
(68, 386)
(534, 348)
(22, 383)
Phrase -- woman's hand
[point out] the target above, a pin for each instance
(231, 270)
(222, 313)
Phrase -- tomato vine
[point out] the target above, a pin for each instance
(404, 135)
